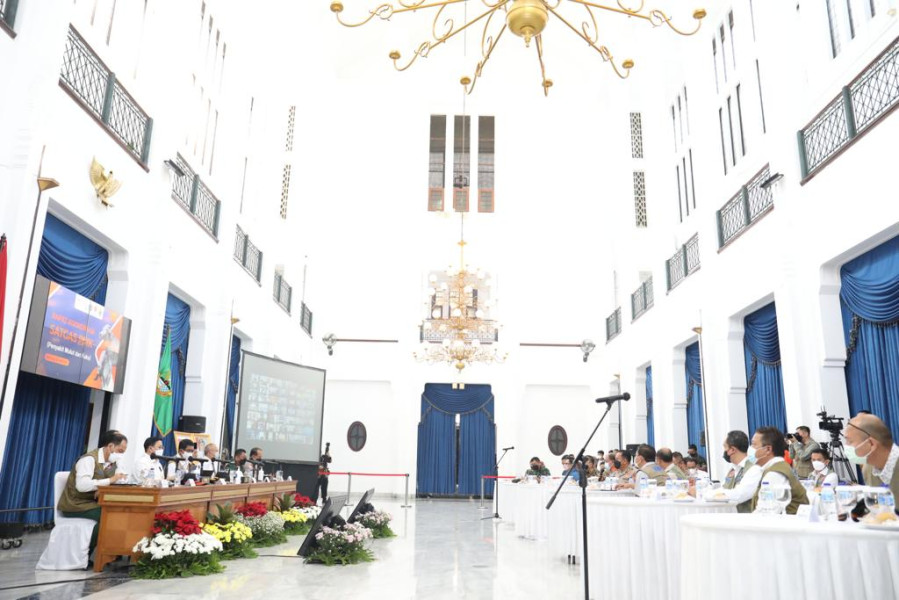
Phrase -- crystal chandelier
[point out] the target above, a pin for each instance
(458, 329)
(525, 18)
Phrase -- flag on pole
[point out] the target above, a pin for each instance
(162, 407)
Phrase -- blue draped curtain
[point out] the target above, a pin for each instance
(436, 438)
(869, 298)
(695, 417)
(765, 403)
(650, 421)
(49, 417)
(233, 386)
(177, 325)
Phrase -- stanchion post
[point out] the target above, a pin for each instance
(349, 487)
(406, 502)
(481, 507)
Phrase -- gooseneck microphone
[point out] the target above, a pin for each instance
(609, 399)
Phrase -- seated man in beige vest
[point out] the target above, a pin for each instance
(645, 461)
(97, 467)
(744, 477)
(869, 443)
(768, 447)
(665, 459)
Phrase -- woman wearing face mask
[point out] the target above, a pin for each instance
(821, 471)
(147, 466)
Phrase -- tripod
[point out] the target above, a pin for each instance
(841, 464)
(579, 460)
(495, 515)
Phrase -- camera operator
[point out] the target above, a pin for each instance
(801, 451)
(323, 471)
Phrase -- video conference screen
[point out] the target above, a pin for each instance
(71, 338)
(281, 407)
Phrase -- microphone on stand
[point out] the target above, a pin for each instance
(509, 448)
(609, 399)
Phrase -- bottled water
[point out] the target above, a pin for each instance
(827, 503)
(701, 485)
(643, 487)
(886, 503)
(670, 488)
(767, 504)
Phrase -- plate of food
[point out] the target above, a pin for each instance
(886, 521)
(683, 498)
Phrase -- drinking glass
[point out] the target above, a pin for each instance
(871, 500)
(847, 498)
(783, 497)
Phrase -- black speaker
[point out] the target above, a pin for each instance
(192, 424)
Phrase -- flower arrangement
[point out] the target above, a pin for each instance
(341, 546)
(295, 522)
(378, 522)
(178, 547)
(302, 501)
(267, 527)
(236, 538)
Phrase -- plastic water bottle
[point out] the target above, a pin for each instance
(701, 485)
(643, 487)
(767, 501)
(827, 503)
(885, 500)
(670, 488)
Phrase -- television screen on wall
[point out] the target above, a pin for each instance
(71, 338)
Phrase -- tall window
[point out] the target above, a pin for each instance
(636, 135)
(291, 120)
(437, 163)
(461, 162)
(683, 154)
(846, 19)
(486, 147)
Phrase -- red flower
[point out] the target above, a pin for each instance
(181, 522)
(302, 501)
(253, 509)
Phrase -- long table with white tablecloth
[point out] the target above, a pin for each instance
(776, 556)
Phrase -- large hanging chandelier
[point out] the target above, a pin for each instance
(458, 329)
(525, 18)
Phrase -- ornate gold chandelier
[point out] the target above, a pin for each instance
(525, 18)
(458, 329)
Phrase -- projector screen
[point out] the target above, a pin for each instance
(281, 408)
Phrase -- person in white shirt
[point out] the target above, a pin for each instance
(767, 449)
(693, 469)
(744, 476)
(186, 449)
(147, 466)
(821, 470)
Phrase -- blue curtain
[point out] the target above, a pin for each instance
(177, 325)
(650, 421)
(233, 386)
(869, 298)
(695, 417)
(49, 417)
(436, 438)
(765, 403)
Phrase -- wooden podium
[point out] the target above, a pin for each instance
(128, 512)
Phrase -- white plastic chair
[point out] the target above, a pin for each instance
(70, 539)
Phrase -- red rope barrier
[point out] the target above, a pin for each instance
(365, 474)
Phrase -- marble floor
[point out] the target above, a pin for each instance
(442, 550)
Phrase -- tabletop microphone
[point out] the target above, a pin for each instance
(168, 458)
(509, 448)
(610, 399)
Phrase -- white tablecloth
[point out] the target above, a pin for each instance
(761, 556)
(564, 521)
(635, 549)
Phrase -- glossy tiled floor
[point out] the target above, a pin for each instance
(442, 550)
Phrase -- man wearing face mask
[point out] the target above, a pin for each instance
(537, 468)
(96, 468)
(186, 449)
(627, 473)
(821, 471)
(743, 479)
(869, 443)
(801, 451)
(147, 465)
(665, 459)
(767, 450)
(645, 462)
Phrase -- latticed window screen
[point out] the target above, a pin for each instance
(285, 190)
(636, 135)
(486, 147)
(291, 120)
(640, 198)
(461, 162)
(437, 163)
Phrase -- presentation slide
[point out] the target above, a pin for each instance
(280, 410)
(81, 341)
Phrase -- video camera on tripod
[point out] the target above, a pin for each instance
(830, 423)
(834, 426)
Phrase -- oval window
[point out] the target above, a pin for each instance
(558, 440)
(356, 436)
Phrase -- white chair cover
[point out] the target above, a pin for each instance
(70, 539)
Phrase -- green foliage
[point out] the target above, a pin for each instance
(180, 565)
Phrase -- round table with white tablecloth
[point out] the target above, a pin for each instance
(777, 556)
(634, 546)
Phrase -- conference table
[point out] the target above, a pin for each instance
(778, 556)
(128, 511)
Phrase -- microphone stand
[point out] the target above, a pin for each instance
(583, 482)
(495, 515)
